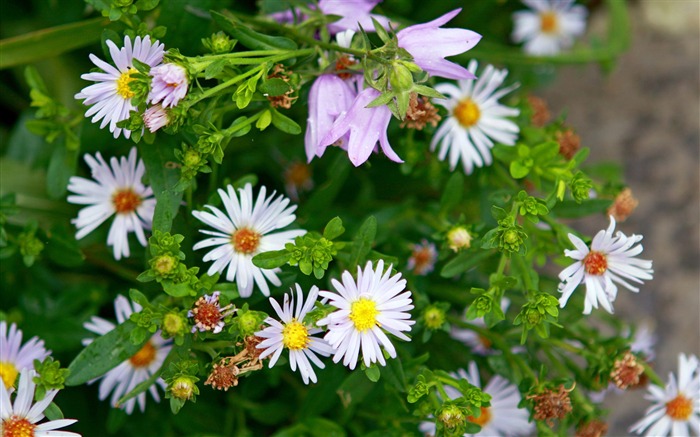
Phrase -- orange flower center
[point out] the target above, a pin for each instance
(423, 258)
(467, 112)
(17, 427)
(483, 419)
(343, 64)
(595, 263)
(548, 22)
(145, 356)
(126, 201)
(245, 241)
(680, 408)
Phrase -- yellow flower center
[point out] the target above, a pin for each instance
(8, 373)
(295, 336)
(595, 263)
(126, 201)
(363, 313)
(548, 22)
(145, 356)
(483, 419)
(123, 88)
(245, 241)
(17, 427)
(679, 408)
(467, 112)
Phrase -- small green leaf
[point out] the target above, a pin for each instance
(162, 177)
(518, 170)
(272, 259)
(250, 38)
(373, 373)
(274, 87)
(284, 123)
(177, 290)
(362, 243)
(103, 354)
(333, 229)
(264, 121)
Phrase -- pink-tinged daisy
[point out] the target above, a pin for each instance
(14, 356)
(368, 307)
(503, 417)
(611, 259)
(429, 45)
(363, 127)
(116, 190)
(476, 119)
(208, 315)
(245, 231)
(292, 333)
(155, 118)
(169, 85)
(549, 27)
(676, 409)
(137, 369)
(423, 257)
(20, 419)
(111, 96)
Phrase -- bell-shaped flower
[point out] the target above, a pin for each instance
(354, 13)
(329, 97)
(365, 126)
(429, 45)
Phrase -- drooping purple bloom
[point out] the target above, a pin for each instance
(169, 85)
(355, 13)
(429, 45)
(329, 97)
(365, 126)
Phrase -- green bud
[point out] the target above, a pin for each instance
(192, 158)
(173, 325)
(248, 322)
(580, 187)
(434, 317)
(219, 43)
(452, 416)
(400, 78)
(183, 388)
(164, 265)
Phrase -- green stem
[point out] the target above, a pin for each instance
(653, 376)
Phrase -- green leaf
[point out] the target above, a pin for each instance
(463, 262)
(162, 177)
(373, 373)
(333, 229)
(272, 259)
(63, 165)
(284, 123)
(46, 43)
(177, 290)
(264, 120)
(250, 38)
(452, 194)
(103, 354)
(274, 87)
(362, 243)
(53, 412)
(518, 170)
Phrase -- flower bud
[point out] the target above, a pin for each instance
(458, 238)
(400, 78)
(219, 43)
(183, 388)
(434, 317)
(173, 325)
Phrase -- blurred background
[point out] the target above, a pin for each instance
(645, 115)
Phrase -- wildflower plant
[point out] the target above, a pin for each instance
(353, 304)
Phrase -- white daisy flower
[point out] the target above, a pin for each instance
(676, 409)
(368, 307)
(20, 419)
(476, 119)
(293, 334)
(611, 259)
(549, 27)
(116, 189)
(137, 369)
(15, 357)
(111, 96)
(245, 231)
(503, 417)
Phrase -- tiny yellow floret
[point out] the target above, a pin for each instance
(295, 336)
(363, 314)
(467, 112)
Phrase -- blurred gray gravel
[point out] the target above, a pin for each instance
(646, 115)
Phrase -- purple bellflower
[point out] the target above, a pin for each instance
(364, 127)
(429, 45)
(329, 97)
(355, 13)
